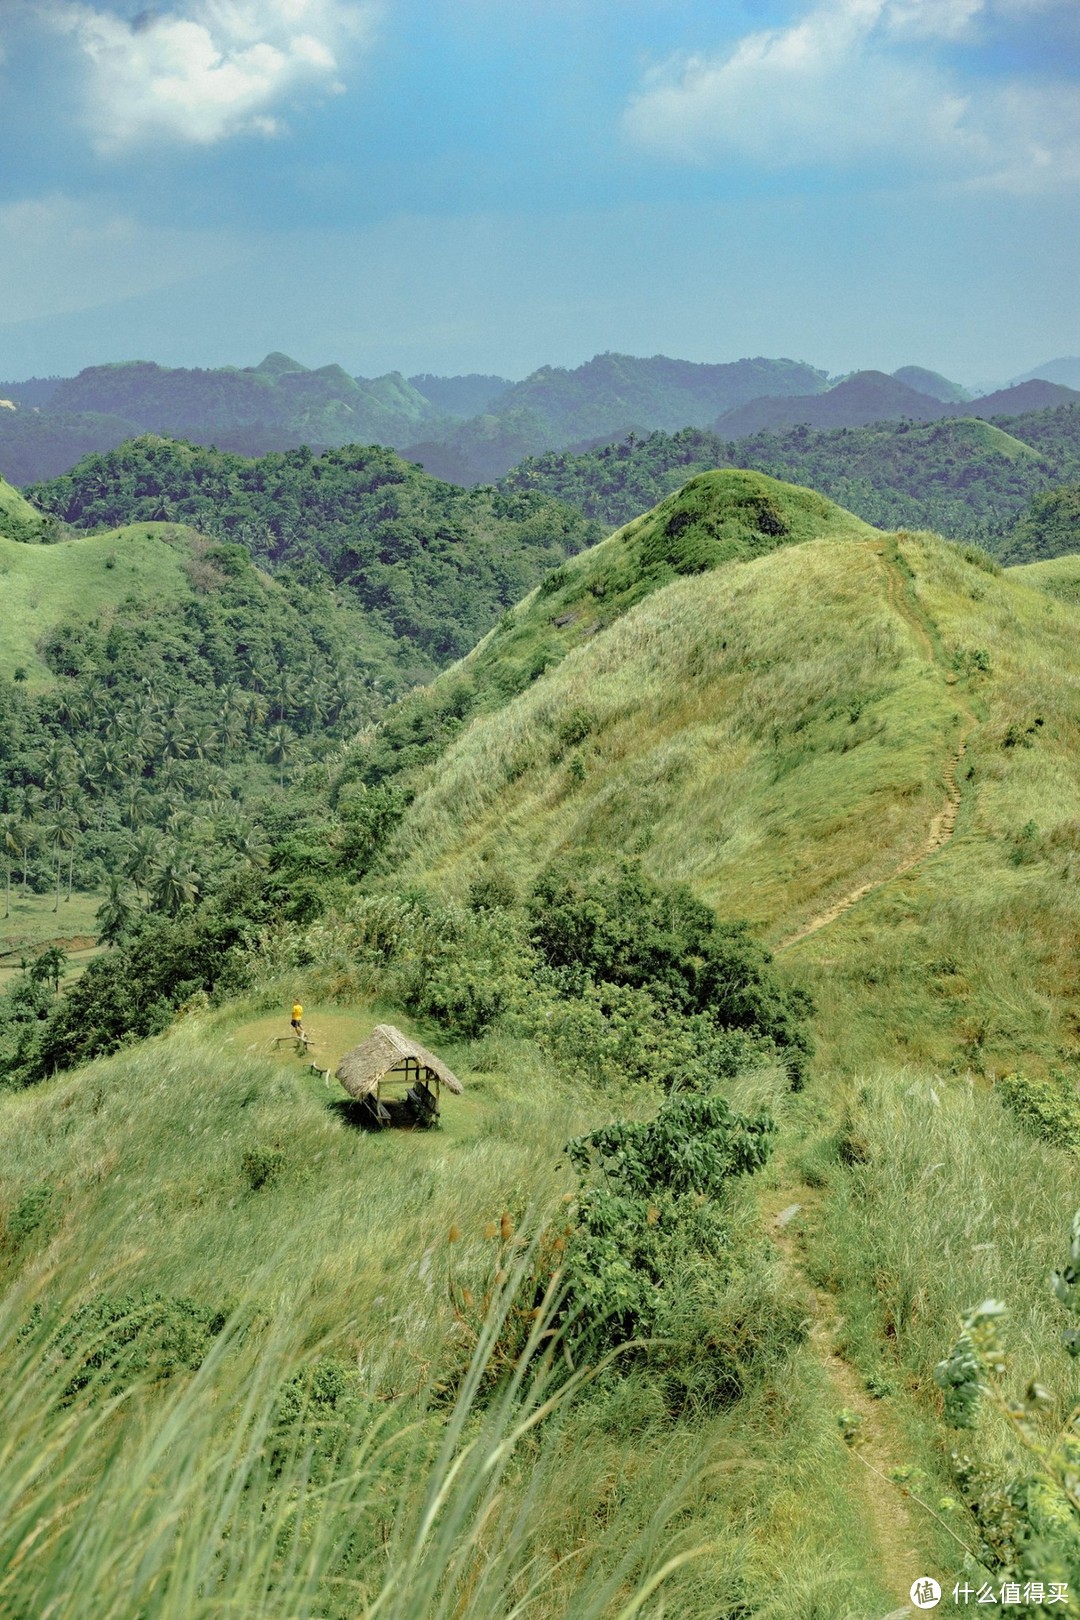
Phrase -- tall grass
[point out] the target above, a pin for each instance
(769, 732)
(178, 1503)
(169, 1492)
(937, 1201)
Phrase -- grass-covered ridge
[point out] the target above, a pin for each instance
(81, 578)
(786, 732)
(717, 518)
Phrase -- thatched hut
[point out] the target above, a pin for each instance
(388, 1060)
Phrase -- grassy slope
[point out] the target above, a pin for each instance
(346, 1250)
(776, 732)
(994, 439)
(80, 578)
(783, 702)
(715, 518)
(17, 516)
(1057, 576)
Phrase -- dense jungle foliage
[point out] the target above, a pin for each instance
(963, 477)
(433, 565)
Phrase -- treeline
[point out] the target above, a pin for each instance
(961, 477)
(141, 769)
(434, 565)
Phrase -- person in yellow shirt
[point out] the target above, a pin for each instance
(297, 1016)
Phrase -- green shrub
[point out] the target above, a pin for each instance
(492, 890)
(260, 1166)
(651, 1256)
(30, 1214)
(574, 726)
(1049, 1106)
(626, 930)
(113, 1341)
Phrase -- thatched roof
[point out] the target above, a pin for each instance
(385, 1048)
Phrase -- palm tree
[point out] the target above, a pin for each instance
(281, 694)
(254, 714)
(63, 832)
(48, 967)
(57, 775)
(278, 748)
(141, 860)
(115, 913)
(134, 803)
(28, 810)
(176, 885)
(11, 834)
(230, 720)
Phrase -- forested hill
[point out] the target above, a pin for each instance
(556, 407)
(435, 565)
(280, 404)
(961, 476)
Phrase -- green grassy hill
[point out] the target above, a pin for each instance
(714, 519)
(865, 746)
(18, 519)
(82, 578)
(782, 731)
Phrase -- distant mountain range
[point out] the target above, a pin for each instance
(1066, 370)
(871, 396)
(467, 429)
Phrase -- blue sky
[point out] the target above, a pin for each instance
(490, 186)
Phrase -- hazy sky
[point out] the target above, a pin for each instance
(489, 185)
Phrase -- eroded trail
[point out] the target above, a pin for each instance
(943, 824)
(875, 1451)
(892, 1516)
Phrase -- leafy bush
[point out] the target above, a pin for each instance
(261, 1165)
(635, 933)
(651, 1256)
(112, 1341)
(1048, 1106)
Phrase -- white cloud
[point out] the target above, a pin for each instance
(856, 82)
(214, 69)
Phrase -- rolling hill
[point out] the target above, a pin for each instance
(871, 396)
(82, 578)
(868, 396)
(961, 476)
(609, 394)
(431, 565)
(18, 519)
(932, 383)
(863, 747)
(1065, 371)
(469, 429)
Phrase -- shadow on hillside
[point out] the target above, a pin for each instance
(359, 1118)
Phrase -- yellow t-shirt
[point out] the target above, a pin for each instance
(297, 1012)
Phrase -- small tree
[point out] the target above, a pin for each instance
(47, 968)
